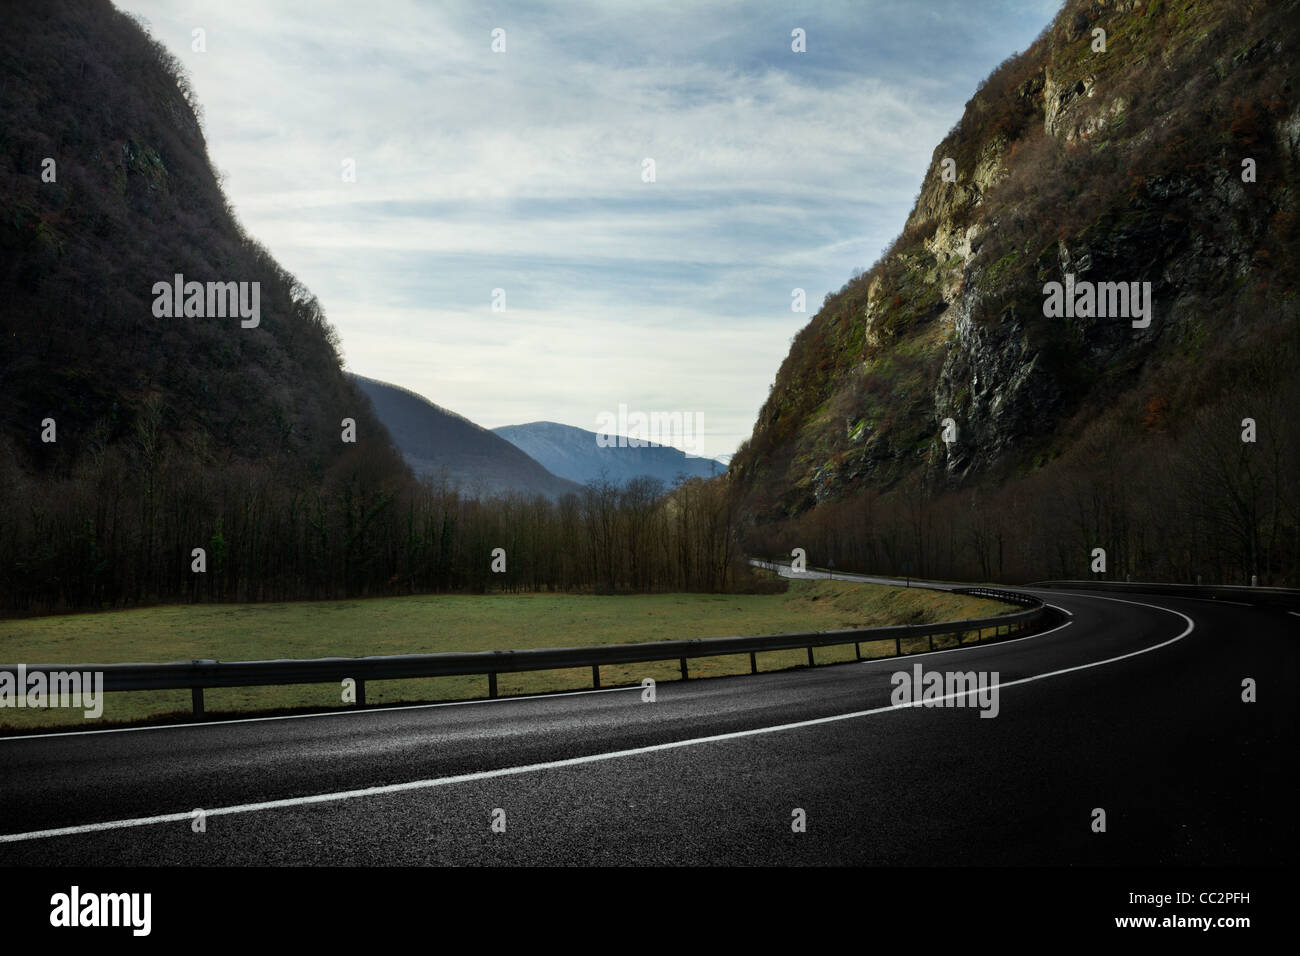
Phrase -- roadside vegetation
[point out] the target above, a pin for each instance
(451, 622)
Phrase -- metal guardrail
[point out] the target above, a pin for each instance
(999, 594)
(1273, 597)
(197, 675)
(839, 574)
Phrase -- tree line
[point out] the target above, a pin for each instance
(1213, 499)
(122, 528)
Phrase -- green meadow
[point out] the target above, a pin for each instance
(451, 622)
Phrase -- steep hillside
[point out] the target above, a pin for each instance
(1072, 165)
(105, 190)
(131, 432)
(443, 446)
(574, 453)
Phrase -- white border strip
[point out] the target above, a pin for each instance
(571, 761)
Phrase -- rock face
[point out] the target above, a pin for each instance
(1166, 159)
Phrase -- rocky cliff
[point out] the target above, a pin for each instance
(1134, 142)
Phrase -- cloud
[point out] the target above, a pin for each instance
(522, 170)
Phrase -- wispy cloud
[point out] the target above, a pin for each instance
(522, 170)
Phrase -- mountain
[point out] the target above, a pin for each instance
(574, 453)
(133, 432)
(175, 422)
(107, 191)
(439, 444)
(1154, 144)
(217, 452)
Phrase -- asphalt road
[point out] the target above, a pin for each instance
(1132, 706)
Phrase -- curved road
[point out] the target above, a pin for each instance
(1133, 705)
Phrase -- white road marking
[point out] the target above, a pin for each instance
(571, 761)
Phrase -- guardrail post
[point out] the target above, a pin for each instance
(181, 675)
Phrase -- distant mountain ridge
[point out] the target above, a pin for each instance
(439, 443)
(574, 453)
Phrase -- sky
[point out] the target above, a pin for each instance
(524, 170)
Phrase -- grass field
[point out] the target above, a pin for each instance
(432, 623)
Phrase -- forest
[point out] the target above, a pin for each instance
(121, 530)
(1210, 497)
